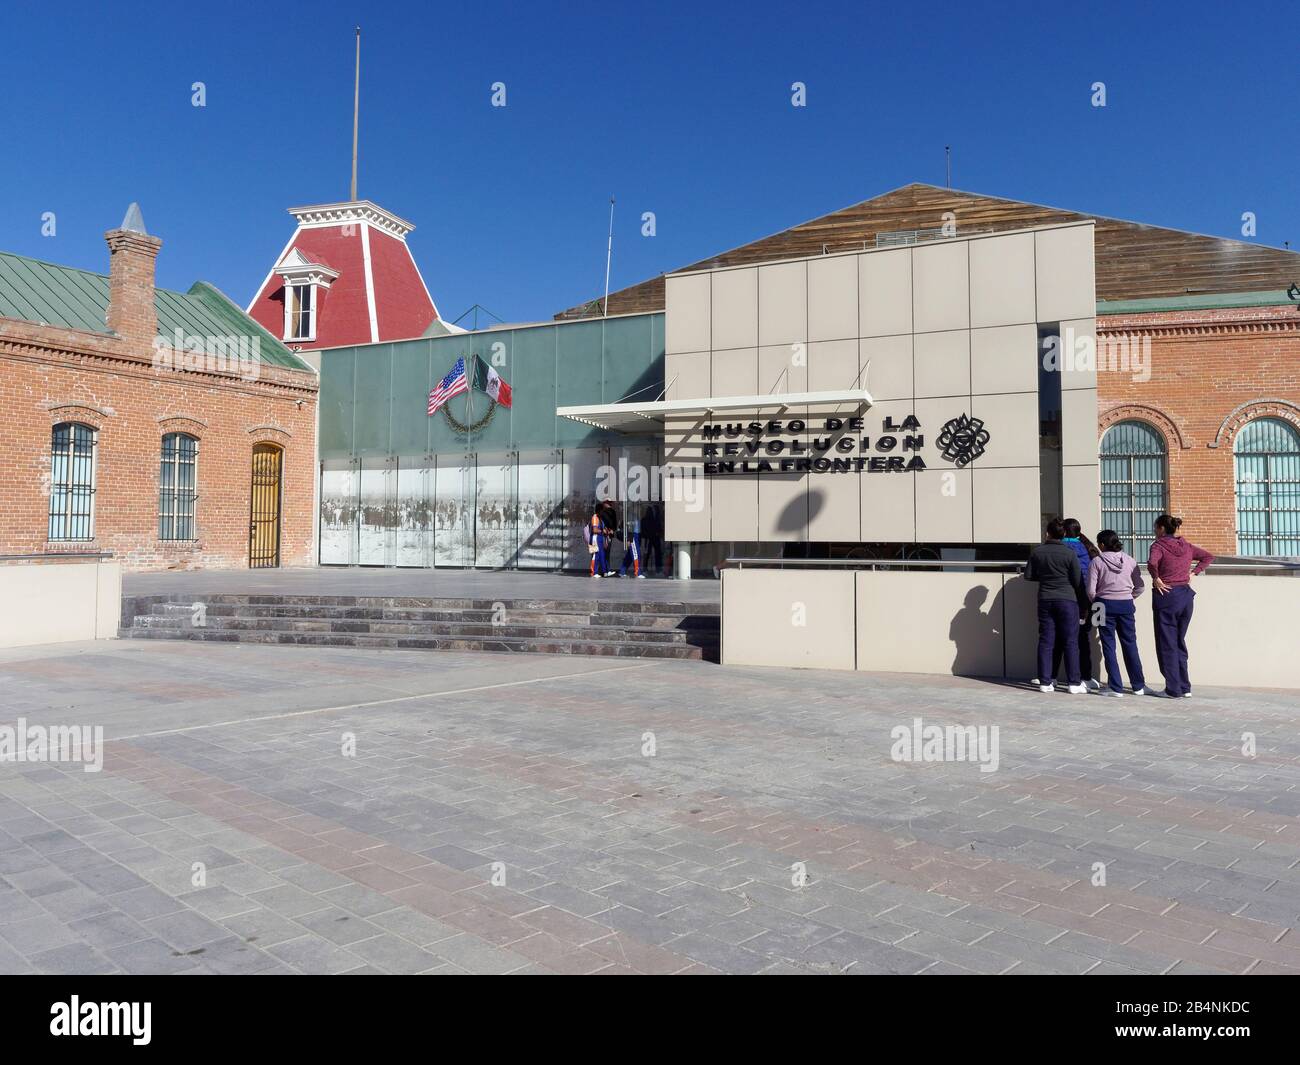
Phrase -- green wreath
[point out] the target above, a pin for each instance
(473, 427)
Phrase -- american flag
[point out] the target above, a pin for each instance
(452, 385)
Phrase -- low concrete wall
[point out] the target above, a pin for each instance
(985, 624)
(55, 602)
(788, 618)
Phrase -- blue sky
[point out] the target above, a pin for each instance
(682, 109)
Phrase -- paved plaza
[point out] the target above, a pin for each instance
(333, 810)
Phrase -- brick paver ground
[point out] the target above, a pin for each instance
(530, 770)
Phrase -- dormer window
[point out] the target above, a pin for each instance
(300, 311)
(305, 280)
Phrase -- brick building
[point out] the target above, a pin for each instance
(1197, 342)
(167, 428)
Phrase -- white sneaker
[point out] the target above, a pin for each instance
(1046, 689)
(1112, 694)
(640, 576)
(1077, 689)
(1139, 691)
(1187, 695)
(1095, 685)
(596, 576)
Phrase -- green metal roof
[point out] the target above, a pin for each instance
(1205, 301)
(49, 294)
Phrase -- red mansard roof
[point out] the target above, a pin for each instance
(376, 293)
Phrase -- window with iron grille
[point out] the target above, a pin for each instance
(72, 482)
(178, 486)
(1266, 454)
(1133, 484)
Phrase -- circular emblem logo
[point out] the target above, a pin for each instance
(962, 440)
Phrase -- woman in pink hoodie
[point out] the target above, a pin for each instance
(1114, 581)
(1172, 564)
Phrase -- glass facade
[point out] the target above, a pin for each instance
(472, 485)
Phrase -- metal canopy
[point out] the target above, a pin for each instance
(637, 417)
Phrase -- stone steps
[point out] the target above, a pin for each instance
(659, 629)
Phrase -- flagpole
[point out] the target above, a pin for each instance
(356, 111)
(609, 252)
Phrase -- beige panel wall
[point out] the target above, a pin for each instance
(788, 617)
(941, 363)
(1065, 277)
(734, 315)
(783, 303)
(1002, 281)
(833, 298)
(996, 520)
(686, 323)
(832, 365)
(972, 623)
(1004, 359)
(885, 293)
(888, 508)
(940, 287)
(734, 504)
(59, 602)
(783, 505)
(735, 373)
(887, 367)
(929, 623)
(686, 375)
(1081, 495)
(938, 330)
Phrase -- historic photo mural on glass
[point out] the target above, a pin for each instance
(338, 513)
(415, 478)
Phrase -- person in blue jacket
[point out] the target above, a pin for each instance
(1087, 551)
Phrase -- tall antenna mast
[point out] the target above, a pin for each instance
(947, 155)
(356, 111)
(609, 252)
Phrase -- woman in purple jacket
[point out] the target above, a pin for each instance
(1172, 564)
(1114, 581)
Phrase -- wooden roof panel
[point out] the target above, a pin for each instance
(1134, 261)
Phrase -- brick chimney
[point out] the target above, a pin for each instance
(132, 254)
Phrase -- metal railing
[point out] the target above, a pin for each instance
(1269, 567)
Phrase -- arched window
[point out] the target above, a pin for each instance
(1133, 485)
(72, 482)
(1267, 457)
(178, 481)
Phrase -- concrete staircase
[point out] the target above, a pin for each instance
(660, 629)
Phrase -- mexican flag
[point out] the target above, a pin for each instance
(489, 381)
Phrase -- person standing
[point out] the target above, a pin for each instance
(632, 550)
(1054, 566)
(1114, 581)
(1087, 551)
(597, 542)
(613, 531)
(652, 533)
(1172, 564)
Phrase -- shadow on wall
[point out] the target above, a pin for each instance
(1002, 640)
(978, 635)
(797, 515)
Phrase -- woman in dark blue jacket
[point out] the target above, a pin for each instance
(1087, 551)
